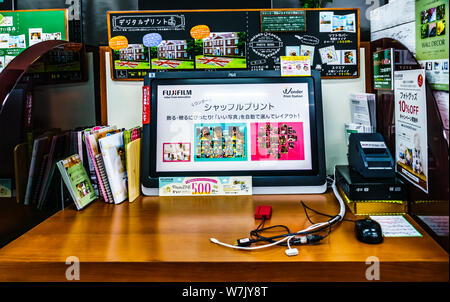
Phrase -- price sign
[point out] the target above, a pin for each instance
(205, 186)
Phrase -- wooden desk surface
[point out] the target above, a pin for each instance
(167, 239)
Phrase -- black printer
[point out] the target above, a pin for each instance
(369, 156)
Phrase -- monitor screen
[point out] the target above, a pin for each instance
(266, 127)
(233, 126)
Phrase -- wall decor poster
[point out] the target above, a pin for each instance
(411, 140)
(432, 40)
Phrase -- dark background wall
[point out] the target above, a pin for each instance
(93, 12)
(93, 15)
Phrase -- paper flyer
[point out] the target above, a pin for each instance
(8, 59)
(35, 35)
(350, 24)
(307, 51)
(205, 186)
(295, 66)
(348, 57)
(325, 21)
(396, 226)
(328, 55)
(439, 224)
(362, 108)
(339, 23)
(2, 63)
(4, 40)
(383, 69)
(292, 51)
(411, 140)
(22, 42)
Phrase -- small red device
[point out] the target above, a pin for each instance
(262, 211)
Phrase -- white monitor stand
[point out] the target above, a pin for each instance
(263, 190)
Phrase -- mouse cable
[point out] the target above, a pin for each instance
(331, 222)
(258, 234)
(313, 228)
(319, 213)
(310, 237)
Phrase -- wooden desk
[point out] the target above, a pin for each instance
(167, 239)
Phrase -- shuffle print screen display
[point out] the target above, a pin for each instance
(233, 127)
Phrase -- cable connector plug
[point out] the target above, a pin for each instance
(308, 239)
(291, 252)
(313, 238)
(243, 242)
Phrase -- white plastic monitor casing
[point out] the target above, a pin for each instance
(263, 190)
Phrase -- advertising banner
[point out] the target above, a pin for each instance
(383, 69)
(411, 140)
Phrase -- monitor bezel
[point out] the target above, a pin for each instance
(282, 178)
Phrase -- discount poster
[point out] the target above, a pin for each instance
(411, 141)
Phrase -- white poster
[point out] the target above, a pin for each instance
(4, 40)
(411, 140)
(329, 55)
(325, 22)
(307, 51)
(35, 36)
(233, 127)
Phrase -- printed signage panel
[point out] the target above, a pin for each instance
(169, 41)
(411, 140)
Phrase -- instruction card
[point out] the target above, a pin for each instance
(396, 226)
(189, 186)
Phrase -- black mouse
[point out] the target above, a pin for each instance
(368, 231)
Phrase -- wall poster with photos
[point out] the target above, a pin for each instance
(21, 29)
(432, 41)
(255, 39)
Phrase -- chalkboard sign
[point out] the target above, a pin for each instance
(241, 39)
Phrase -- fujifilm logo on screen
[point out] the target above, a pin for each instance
(177, 92)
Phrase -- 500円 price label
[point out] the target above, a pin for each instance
(204, 186)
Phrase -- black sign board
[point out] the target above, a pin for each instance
(241, 39)
(7, 4)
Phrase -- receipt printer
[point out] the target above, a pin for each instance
(369, 155)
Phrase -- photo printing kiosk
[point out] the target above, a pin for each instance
(243, 123)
